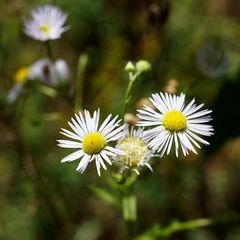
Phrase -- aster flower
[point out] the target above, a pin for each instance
(137, 154)
(50, 73)
(46, 23)
(42, 70)
(175, 123)
(91, 140)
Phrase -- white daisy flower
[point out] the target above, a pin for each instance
(137, 154)
(174, 123)
(48, 72)
(46, 23)
(91, 140)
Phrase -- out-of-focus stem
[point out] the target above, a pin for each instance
(49, 51)
(129, 201)
(82, 63)
(158, 232)
(48, 91)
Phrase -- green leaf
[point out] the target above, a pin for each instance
(157, 231)
(106, 196)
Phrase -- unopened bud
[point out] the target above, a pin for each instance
(130, 67)
(130, 119)
(144, 101)
(143, 66)
(171, 86)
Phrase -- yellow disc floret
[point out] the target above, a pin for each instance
(93, 143)
(174, 121)
(135, 150)
(44, 28)
(21, 75)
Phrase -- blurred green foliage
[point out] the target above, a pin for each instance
(195, 42)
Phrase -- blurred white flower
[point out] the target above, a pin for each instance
(174, 123)
(14, 93)
(47, 23)
(137, 154)
(43, 70)
(91, 140)
(50, 73)
(212, 60)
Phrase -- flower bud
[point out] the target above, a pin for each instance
(143, 66)
(144, 101)
(130, 119)
(130, 67)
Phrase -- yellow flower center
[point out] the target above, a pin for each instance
(135, 150)
(93, 143)
(174, 121)
(21, 75)
(44, 28)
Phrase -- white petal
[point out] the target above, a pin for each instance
(98, 167)
(197, 137)
(70, 134)
(105, 123)
(105, 157)
(73, 156)
(69, 144)
(83, 163)
(101, 162)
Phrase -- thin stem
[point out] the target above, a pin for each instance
(129, 203)
(158, 232)
(82, 63)
(132, 79)
(49, 51)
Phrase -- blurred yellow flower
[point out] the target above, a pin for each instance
(22, 75)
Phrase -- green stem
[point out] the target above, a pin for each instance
(82, 63)
(132, 79)
(129, 203)
(49, 51)
(159, 232)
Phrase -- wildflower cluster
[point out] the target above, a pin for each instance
(170, 124)
(46, 23)
(166, 122)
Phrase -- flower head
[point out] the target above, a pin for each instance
(136, 151)
(91, 140)
(48, 72)
(175, 123)
(46, 23)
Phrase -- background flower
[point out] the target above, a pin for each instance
(50, 73)
(47, 23)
